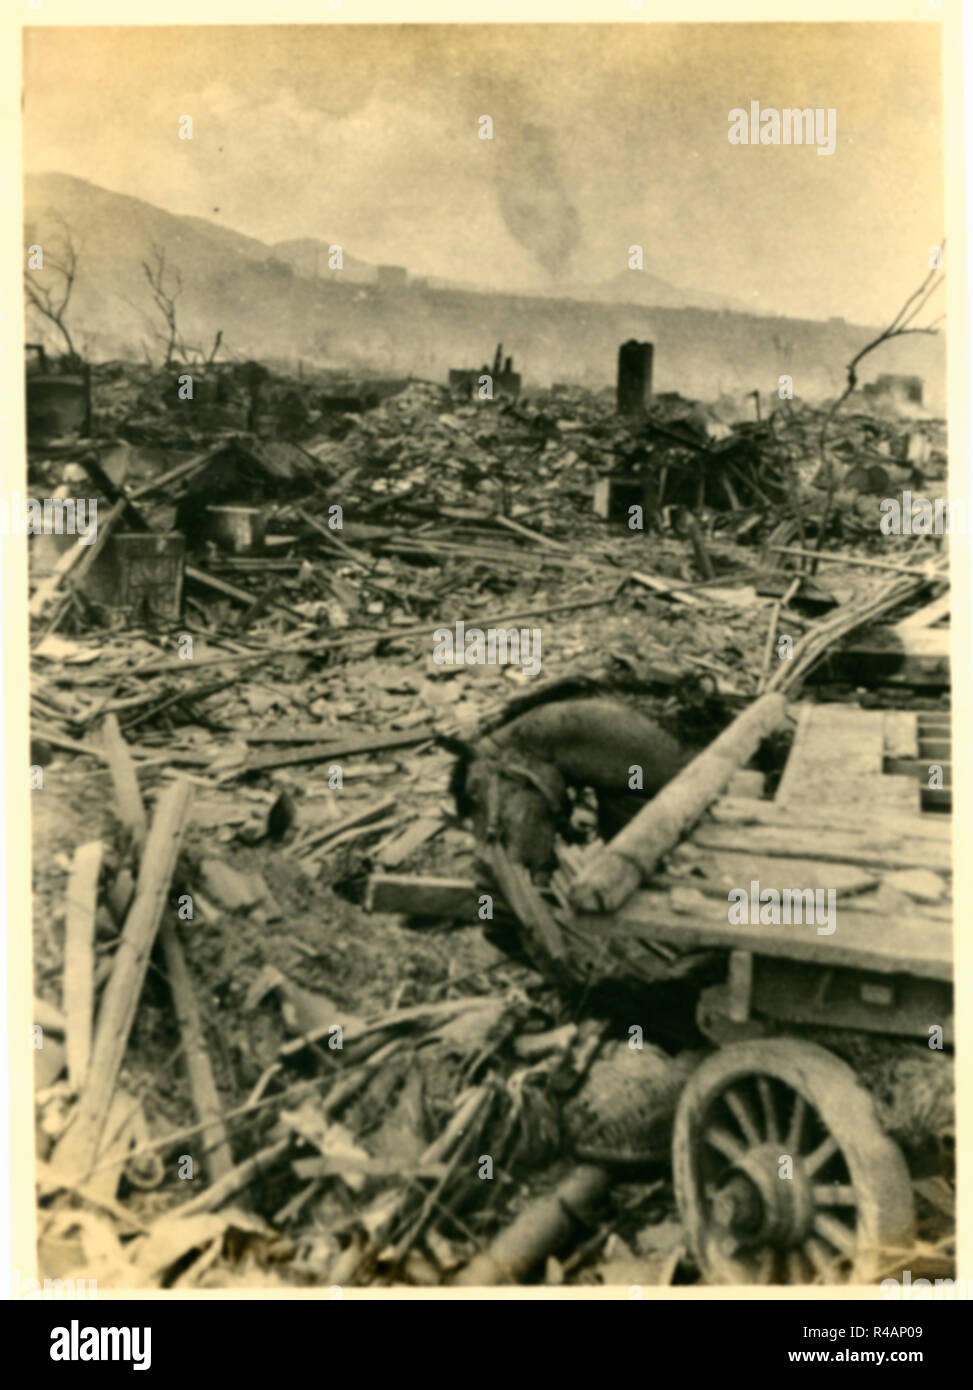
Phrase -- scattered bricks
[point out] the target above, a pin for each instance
(634, 377)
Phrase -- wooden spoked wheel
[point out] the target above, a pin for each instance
(841, 1209)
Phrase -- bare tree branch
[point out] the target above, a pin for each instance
(898, 328)
(50, 294)
(165, 282)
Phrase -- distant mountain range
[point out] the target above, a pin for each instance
(100, 218)
(284, 305)
(641, 287)
(309, 257)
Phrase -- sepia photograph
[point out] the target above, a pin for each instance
(490, 509)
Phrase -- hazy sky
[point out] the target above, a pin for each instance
(605, 136)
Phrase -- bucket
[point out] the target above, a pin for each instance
(238, 530)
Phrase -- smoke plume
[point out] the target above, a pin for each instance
(533, 199)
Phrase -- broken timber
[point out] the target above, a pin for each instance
(353, 743)
(78, 1149)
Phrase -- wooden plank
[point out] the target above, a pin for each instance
(206, 1099)
(919, 768)
(79, 958)
(743, 811)
(837, 759)
(793, 768)
(863, 941)
(77, 1149)
(900, 733)
(717, 872)
(363, 815)
(343, 747)
(888, 900)
(935, 749)
(540, 931)
(926, 616)
(937, 796)
(660, 586)
(422, 829)
(131, 811)
(358, 832)
(870, 848)
(423, 896)
(934, 724)
(243, 596)
(294, 733)
(214, 1139)
(792, 991)
(844, 559)
(181, 470)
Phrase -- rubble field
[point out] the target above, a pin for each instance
(300, 1029)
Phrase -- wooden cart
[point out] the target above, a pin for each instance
(783, 1170)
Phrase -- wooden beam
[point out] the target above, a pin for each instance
(926, 616)
(921, 946)
(79, 958)
(131, 812)
(418, 896)
(77, 1150)
(838, 759)
(743, 811)
(221, 586)
(872, 847)
(342, 747)
(218, 1159)
(864, 561)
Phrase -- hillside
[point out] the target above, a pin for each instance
(264, 308)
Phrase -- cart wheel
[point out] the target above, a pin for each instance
(846, 1209)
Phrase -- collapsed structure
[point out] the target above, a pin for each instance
(238, 674)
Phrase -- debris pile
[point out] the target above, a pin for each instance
(300, 1026)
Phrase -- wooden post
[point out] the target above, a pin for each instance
(78, 1149)
(79, 958)
(131, 812)
(218, 1161)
